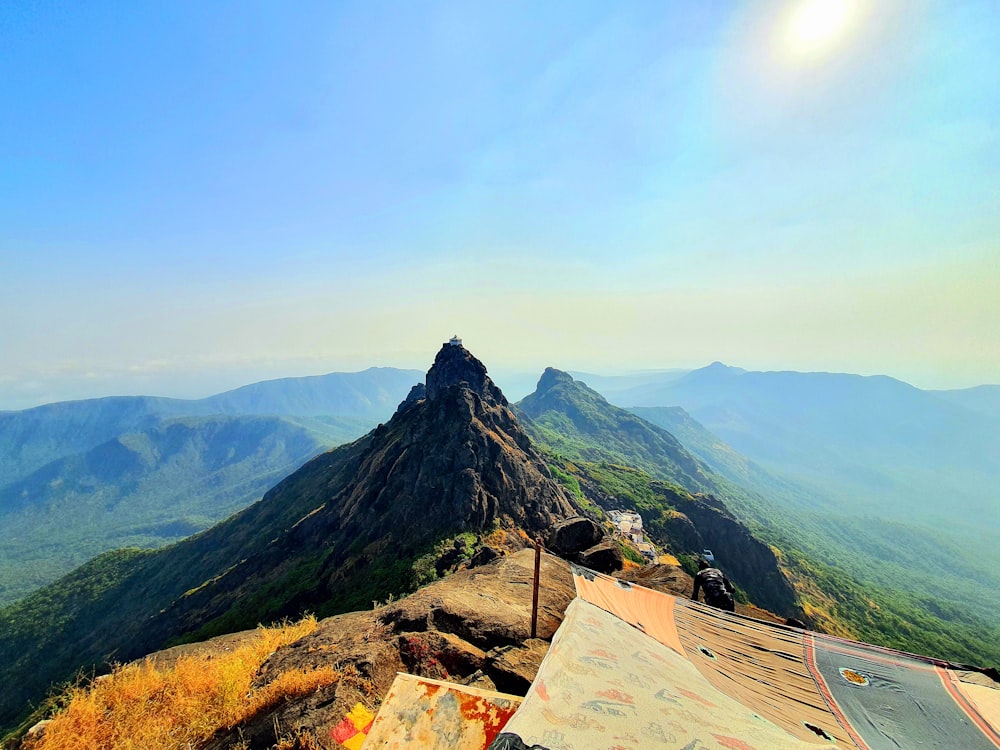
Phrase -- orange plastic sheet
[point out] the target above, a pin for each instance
(642, 608)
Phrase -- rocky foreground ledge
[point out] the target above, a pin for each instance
(472, 627)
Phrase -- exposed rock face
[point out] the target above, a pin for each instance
(604, 557)
(473, 606)
(459, 454)
(455, 365)
(472, 627)
(417, 393)
(678, 530)
(749, 562)
(483, 555)
(512, 668)
(574, 535)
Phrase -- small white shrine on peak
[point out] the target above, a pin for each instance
(455, 341)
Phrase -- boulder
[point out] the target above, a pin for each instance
(488, 606)
(574, 535)
(513, 668)
(479, 679)
(440, 655)
(482, 556)
(604, 557)
(451, 558)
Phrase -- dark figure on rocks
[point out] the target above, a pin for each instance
(718, 590)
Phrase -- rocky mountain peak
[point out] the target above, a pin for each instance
(453, 460)
(455, 365)
(551, 378)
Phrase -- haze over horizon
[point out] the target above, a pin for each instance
(195, 197)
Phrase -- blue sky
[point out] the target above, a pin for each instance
(198, 195)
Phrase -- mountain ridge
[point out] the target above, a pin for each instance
(346, 528)
(677, 497)
(146, 489)
(72, 456)
(308, 544)
(577, 411)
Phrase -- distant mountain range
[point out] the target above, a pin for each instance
(982, 399)
(894, 474)
(859, 431)
(453, 469)
(897, 484)
(82, 477)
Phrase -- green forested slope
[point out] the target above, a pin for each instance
(81, 477)
(147, 489)
(848, 572)
(892, 554)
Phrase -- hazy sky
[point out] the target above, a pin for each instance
(197, 195)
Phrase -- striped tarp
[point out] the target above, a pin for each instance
(634, 668)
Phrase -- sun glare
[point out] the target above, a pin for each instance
(815, 27)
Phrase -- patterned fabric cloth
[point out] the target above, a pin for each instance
(353, 729)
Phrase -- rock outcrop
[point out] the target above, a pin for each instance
(604, 557)
(472, 627)
(455, 365)
(746, 560)
(574, 535)
(582, 540)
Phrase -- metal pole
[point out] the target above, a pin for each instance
(534, 595)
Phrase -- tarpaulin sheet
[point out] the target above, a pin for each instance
(759, 665)
(725, 681)
(419, 712)
(886, 696)
(605, 684)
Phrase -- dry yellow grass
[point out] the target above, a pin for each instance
(140, 706)
(628, 565)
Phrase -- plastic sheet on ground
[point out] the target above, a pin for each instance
(423, 713)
